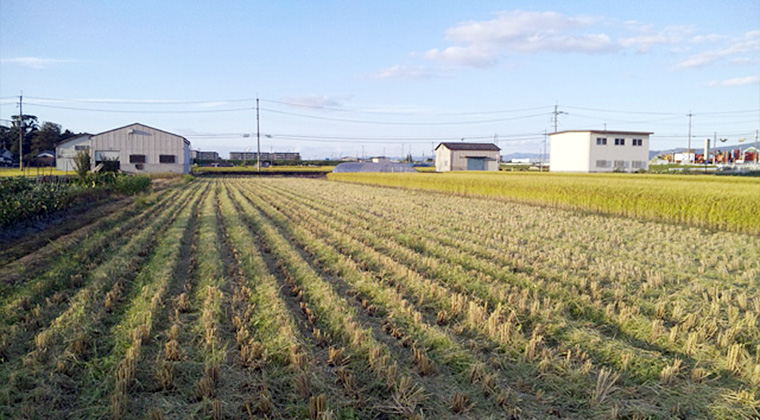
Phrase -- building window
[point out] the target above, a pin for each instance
(621, 164)
(602, 164)
(136, 158)
(619, 142)
(637, 164)
(81, 148)
(167, 158)
(638, 142)
(601, 141)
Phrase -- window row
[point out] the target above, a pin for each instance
(602, 141)
(161, 159)
(620, 164)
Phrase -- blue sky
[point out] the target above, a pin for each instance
(350, 77)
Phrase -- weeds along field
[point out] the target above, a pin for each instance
(295, 298)
(728, 203)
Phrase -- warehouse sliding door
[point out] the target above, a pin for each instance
(476, 164)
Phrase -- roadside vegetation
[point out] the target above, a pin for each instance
(29, 199)
(717, 203)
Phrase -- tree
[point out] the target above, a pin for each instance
(46, 138)
(30, 127)
(6, 137)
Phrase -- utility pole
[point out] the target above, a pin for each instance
(258, 138)
(757, 152)
(21, 132)
(556, 115)
(543, 158)
(688, 148)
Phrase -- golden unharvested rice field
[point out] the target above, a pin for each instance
(722, 202)
(296, 298)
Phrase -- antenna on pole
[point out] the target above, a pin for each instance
(688, 147)
(556, 114)
(543, 158)
(258, 138)
(21, 131)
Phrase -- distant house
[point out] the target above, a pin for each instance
(265, 156)
(599, 151)
(6, 157)
(66, 150)
(467, 157)
(137, 148)
(45, 158)
(199, 155)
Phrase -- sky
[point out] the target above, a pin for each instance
(367, 78)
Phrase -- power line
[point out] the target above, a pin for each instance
(141, 101)
(367, 111)
(124, 111)
(382, 138)
(163, 102)
(398, 122)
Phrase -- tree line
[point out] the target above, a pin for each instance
(36, 137)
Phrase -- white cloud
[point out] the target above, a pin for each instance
(699, 39)
(523, 32)
(750, 42)
(470, 56)
(648, 37)
(34, 62)
(738, 81)
(511, 29)
(313, 101)
(482, 43)
(744, 61)
(404, 72)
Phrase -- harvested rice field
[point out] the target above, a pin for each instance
(286, 298)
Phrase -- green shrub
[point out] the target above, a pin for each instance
(82, 164)
(24, 199)
(131, 184)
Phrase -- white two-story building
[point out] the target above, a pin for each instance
(599, 151)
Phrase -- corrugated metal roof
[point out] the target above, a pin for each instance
(470, 146)
(143, 126)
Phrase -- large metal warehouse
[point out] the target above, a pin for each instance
(141, 149)
(467, 157)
